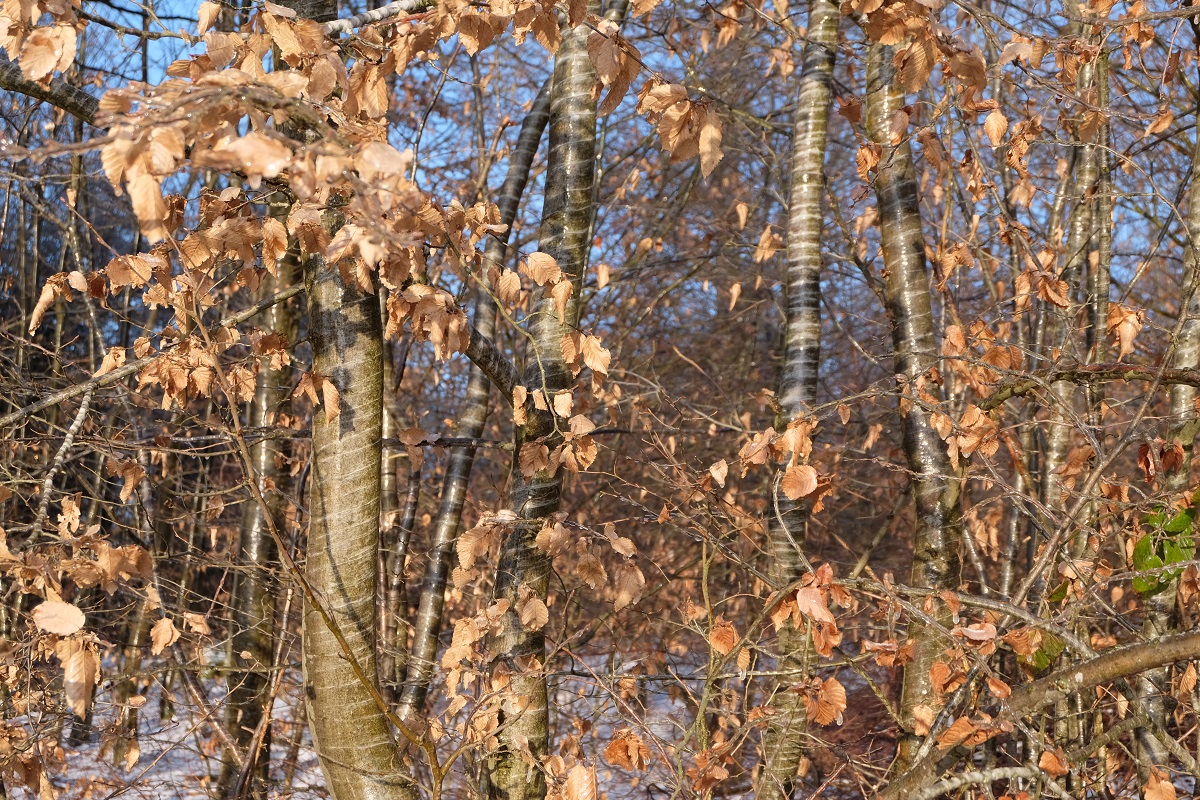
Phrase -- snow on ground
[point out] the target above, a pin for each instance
(179, 757)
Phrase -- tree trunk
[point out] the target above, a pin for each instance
(350, 732)
(253, 601)
(1177, 478)
(566, 235)
(1061, 330)
(936, 561)
(784, 737)
(428, 624)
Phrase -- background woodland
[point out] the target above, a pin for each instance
(538, 401)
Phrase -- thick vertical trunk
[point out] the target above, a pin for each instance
(350, 732)
(936, 561)
(349, 726)
(514, 771)
(784, 737)
(428, 623)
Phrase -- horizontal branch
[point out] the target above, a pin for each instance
(57, 92)
(1108, 667)
(388, 11)
(975, 778)
(131, 367)
(1124, 662)
(1091, 373)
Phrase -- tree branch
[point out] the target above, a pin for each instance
(130, 367)
(57, 92)
(1111, 666)
(500, 371)
(1090, 373)
(1121, 663)
(395, 9)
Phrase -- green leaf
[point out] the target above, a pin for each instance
(1044, 656)
(1143, 553)
(1181, 522)
(1060, 593)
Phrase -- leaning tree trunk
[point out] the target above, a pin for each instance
(513, 771)
(428, 624)
(784, 737)
(936, 561)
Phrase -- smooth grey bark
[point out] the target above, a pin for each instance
(783, 740)
(253, 600)
(936, 560)
(428, 623)
(349, 725)
(513, 771)
(351, 733)
(1061, 331)
(1160, 618)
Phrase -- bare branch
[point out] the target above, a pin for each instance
(347, 25)
(57, 92)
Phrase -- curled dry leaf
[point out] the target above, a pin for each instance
(131, 474)
(581, 783)
(1124, 324)
(800, 480)
(959, 731)
(508, 287)
(1159, 786)
(61, 619)
(719, 471)
(114, 358)
(81, 671)
(196, 622)
(826, 701)
(998, 688)
(616, 62)
(628, 585)
(810, 602)
(685, 128)
(995, 126)
(163, 635)
(723, 637)
(534, 614)
(1054, 763)
(310, 384)
(541, 268)
(1162, 120)
(627, 751)
(207, 15)
(591, 571)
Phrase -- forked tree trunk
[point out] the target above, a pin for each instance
(783, 741)
(428, 623)
(936, 561)
(514, 771)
